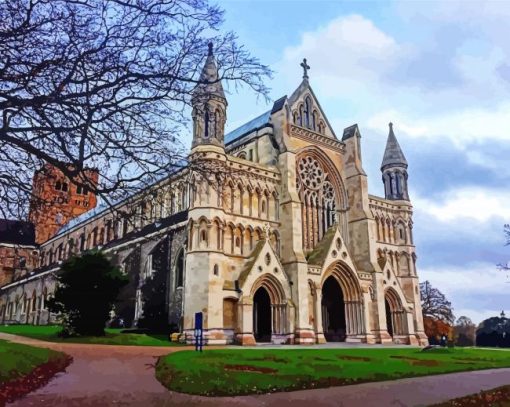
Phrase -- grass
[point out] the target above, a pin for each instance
(498, 397)
(248, 371)
(25, 368)
(112, 337)
(18, 360)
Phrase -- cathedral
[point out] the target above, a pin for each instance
(269, 231)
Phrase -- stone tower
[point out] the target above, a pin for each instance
(394, 170)
(56, 200)
(206, 263)
(209, 106)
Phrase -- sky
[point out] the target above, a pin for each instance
(440, 71)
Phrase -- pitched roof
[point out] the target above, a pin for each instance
(393, 155)
(350, 132)
(17, 232)
(320, 252)
(254, 124)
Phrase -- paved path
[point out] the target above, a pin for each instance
(103, 375)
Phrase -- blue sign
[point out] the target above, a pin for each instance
(199, 336)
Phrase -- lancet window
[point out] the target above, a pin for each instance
(318, 201)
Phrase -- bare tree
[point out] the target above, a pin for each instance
(105, 84)
(434, 304)
(506, 231)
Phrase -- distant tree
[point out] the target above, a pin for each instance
(464, 332)
(434, 304)
(494, 331)
(88, 286)
(435, 329)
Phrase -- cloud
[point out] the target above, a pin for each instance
(347, 52)
(472, 203)
(462, 127)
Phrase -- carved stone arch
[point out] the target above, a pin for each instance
(346, 278)
(330, 168)
(274, 239)
(342, 303)
(258, 234)
(272, 285)
(396, 318)
(323, 196)
(301, 108)
(405, 264)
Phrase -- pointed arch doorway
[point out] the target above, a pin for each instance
(333, 311)
(262, 315)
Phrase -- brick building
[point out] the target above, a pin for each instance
(56, 200)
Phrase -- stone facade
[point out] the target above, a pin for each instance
(270, 232)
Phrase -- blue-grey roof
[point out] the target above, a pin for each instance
(246, 128)
(102, 206)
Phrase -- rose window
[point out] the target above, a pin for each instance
(311, 173)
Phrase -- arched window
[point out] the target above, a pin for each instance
(179, 269)
(216, 270)
(301, 115)
(308, 113)
(315, 117)
(217, 123)
(206, 123)
(319, 200)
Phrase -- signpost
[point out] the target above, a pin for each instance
(199, 336)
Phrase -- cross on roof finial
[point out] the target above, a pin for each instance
(305, 67)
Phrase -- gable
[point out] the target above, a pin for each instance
(306, 111)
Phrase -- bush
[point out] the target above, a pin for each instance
(88, 287)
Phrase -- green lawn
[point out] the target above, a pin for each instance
(245, 371)
(17, 360)
(113, 336)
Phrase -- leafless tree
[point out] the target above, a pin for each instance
(105, 84)
(434, 304)
(506, 231)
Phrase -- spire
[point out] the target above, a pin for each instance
(209, 105)
(210, 85)
(393, 155)
(394, 170)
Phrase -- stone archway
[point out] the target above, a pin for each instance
(262, 316)
(333, 311)
(269, 310)
(396, 318)
(342, 305)
(389, 319)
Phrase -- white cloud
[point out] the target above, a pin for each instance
(473, 203)
(463, 127)
(480, 278)
(344, 54)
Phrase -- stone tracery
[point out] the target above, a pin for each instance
(318, 200)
